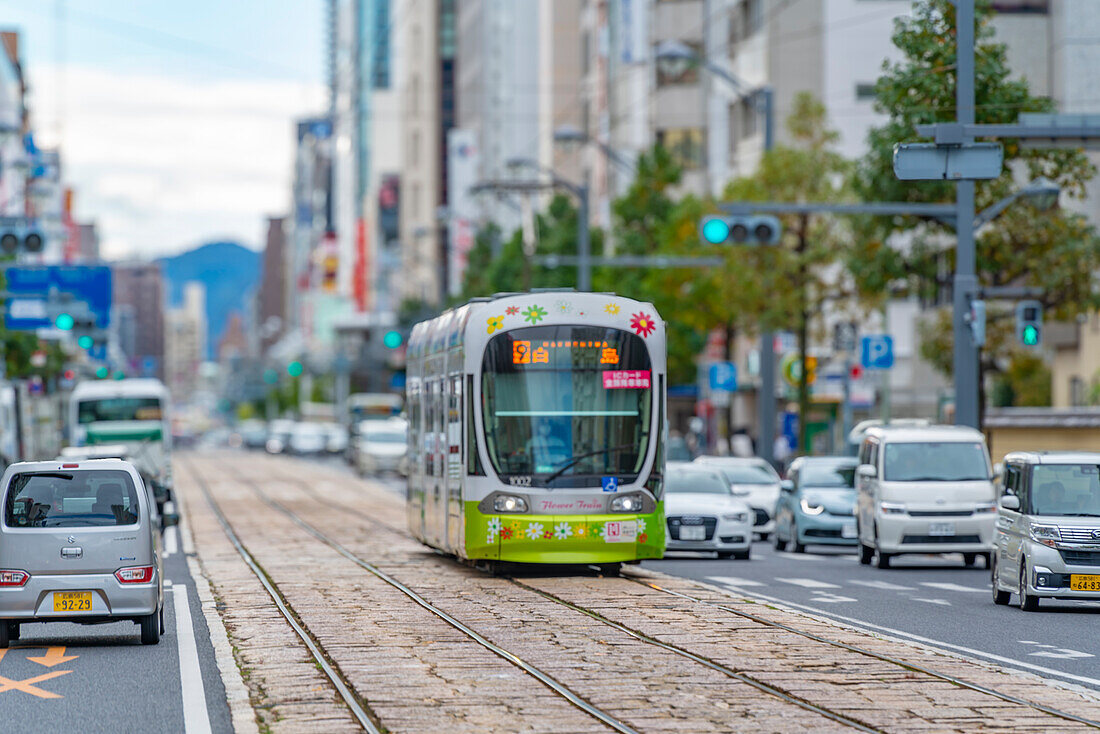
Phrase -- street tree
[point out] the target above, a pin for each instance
(1055, 251)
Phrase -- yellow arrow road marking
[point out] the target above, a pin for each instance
(54, 656)
(27, 686)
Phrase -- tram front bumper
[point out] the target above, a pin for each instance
(609, 538)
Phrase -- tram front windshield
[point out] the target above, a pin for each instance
(567, 405)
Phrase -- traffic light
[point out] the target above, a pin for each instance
(295, 369)
(85, 342)
(270, 376)
(1029, 323)
(393, 339)
(720, 230)
(976, 318)
(64, 321)
(12, 241)
(102, 373)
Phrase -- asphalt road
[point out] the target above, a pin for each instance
(935, 600)
(101, 678)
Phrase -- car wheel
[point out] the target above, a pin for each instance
(150, 629)
(970, 558)
(1000, 598)
(742, 555)
(5, 634)
(764, 536)
(725, 554)
(866, 554)
(1028, 603)
(883, 560)
(780, 544)
(988, 559)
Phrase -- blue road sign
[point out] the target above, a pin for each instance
(877, 352)
(87, 284)
(723, 377)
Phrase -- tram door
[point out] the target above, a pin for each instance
(455, 457)
(436, 514)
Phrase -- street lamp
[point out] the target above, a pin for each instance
(1041, 192)
(572, 134)
(584, 250)
(763, 99)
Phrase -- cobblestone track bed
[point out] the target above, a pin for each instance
(650, 689)
(857, 683)
(416, 673)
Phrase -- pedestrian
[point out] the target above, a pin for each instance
(781, 451)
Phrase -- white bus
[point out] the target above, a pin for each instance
(134, 413)
(536, 427)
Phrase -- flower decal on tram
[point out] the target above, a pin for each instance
(512, 310)
(612, 309)
(534, 314)
(494, 323)
(643, 324)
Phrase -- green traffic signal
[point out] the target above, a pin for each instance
(271, 376)
(716, 231)
(86, 342)
(102, 373)
(64, 322)
(295, 369)
(1030, 335)
(120, 375)
(392, 339)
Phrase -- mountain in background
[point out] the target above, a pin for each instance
(230, 273)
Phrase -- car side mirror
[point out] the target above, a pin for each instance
(170, 518)
(1010, 502)
(786, 485)
(867, 471)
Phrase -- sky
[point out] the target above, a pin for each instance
(176, 118)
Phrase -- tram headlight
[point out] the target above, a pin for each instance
(627, 503)
(509, 503)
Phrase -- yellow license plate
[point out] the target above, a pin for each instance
(76, 601)
(1081, 582)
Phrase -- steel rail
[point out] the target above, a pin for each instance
(519, 662)
(361, 712)
(954, 680)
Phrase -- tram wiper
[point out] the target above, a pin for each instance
(575, 459)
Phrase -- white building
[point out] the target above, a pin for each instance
(185, 343)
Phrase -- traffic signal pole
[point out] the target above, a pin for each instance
(965, 358)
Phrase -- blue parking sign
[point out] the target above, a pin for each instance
(877, 352)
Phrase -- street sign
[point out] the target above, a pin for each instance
(931, 162)
(84, 286)
(844, 336)
(877, 352)
(723, 377)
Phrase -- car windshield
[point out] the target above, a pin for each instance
(931, 461)
(393, 437)
(747, 474)
(821, 474)
(696, 482)
(1069, 490)
(119, 409)
(77, 498)
(567, 401)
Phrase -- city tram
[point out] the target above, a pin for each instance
(536, 429)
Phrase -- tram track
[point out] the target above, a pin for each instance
(902, 664)
(635, 634)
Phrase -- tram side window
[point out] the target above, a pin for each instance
(473, 460)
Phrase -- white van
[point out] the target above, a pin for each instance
(924, 490)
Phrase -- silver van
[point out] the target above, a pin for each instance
(924, 490)
(1048, 529)
(79, 543)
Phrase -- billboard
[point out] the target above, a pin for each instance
(462, 165)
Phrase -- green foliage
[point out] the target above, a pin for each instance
(1056, 251)
(1025, 383)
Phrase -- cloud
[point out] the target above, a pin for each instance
(165, 162)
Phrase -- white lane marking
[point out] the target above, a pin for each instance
(884, 585)
(825, 596)
(935, 644)
(800, 556)
(952, 587)
(196, 719)
(734, 581)
(171, 541)
(167, 583)
(941, 602)
(1062, 654)
(809, 583)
